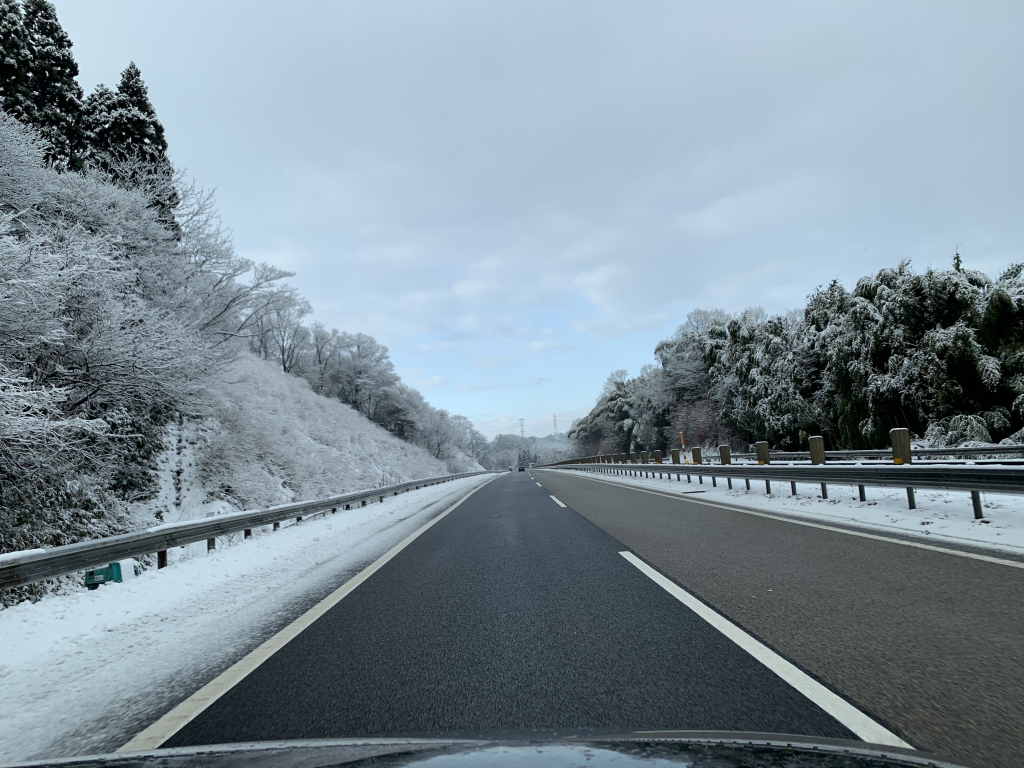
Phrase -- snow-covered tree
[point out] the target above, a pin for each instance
(54, 90)
(15, 63)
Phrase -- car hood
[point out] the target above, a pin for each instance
(638, 749)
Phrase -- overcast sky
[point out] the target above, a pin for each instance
(518, 198)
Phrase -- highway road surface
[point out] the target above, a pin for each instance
(569, 605)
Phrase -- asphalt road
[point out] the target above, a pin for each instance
(511, 614)
(930, 645)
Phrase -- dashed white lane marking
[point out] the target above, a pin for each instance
(557, 501)
(188, 710)
(863, 726)
(834, 529)
(539, 485)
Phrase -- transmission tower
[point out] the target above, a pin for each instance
(522, 431)
(554, 418)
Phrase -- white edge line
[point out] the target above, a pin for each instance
(860, 724)
(181, 715)
(557, 501)
(794, 521)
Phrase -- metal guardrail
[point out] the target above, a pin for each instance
(973, 479)
(36, 565)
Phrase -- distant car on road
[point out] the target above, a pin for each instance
(522, 469)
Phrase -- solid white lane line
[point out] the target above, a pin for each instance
(168, 725)
(557, 501)
(794, 521)
(863, 726)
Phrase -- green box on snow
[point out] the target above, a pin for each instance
(119, 571)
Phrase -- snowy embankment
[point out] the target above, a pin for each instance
(940, 515)
(83, 672)
(270, 440)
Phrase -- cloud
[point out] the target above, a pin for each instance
(527, 187)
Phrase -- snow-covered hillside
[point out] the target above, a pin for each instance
(270, 439)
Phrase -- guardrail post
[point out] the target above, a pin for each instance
(298, 519)
(725, 457)
(161, 558)
(363, 503)
(817, 446)
(900, 438)
(761, 447)
(976, 501)
(277, 526)
(211, 544)
(381, 499)
(860, 490)
(762, 452)
(247, 533)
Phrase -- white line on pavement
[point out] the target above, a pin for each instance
(539, 485)
(557, 501)
(794, 521)
(168, 725)
(863, 726)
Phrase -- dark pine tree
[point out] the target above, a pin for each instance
(123, 124)
(55, 94)
(127, 140)
(15, 93)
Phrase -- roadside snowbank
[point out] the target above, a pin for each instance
(83, 672)
(939, 515)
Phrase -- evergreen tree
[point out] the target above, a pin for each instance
(15, 93)
(123, 125)
(55, 94)
(127, 141)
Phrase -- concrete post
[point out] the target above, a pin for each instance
(675, 455)
(632, 458)
(762, 452)
(817, 446)
(697, 457)
(644, 456)
(657, 457)
(900, 438)
(725, 457)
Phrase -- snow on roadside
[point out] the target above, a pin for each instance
(83, 672)
(940, 515)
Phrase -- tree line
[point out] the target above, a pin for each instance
(940, 352)
(121, 296)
